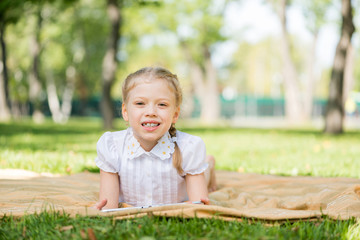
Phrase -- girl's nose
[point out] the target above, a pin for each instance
(151, 110)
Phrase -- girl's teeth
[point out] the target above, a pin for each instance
(150, 124)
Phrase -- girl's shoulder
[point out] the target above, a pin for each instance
(193, 153)
(109, 151)
(184, 139)
(116, 134)
(113, 138)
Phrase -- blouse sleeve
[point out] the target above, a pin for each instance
(194, 156)
(107, 154)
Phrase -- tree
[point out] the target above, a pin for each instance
(334, 115)
(61, 58)
(257, 68)
(293, 105)
(4, 79)
(110, 63)
(47, 15)
(196, 26)
(71, 42)
(35, 86)
(315, 15)
(84, 45)
(201, 23)
(10, 12)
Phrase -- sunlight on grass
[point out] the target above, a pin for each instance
(71, 148)
(354, 232)
(284, 152)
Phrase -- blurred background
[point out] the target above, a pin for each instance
(259, 63)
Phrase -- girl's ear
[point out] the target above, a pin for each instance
(176, 115)
(124, 112)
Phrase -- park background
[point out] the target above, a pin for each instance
(257, 63)
(271, 86)
(266, 85)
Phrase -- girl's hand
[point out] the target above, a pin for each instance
(196, 188)
(109, 190)
(206, 201)
(125, 205)
(101, 204)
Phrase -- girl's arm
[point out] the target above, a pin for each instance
(196, 188)
(109, 190)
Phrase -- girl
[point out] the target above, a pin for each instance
(151, 162)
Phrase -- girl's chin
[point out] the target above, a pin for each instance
(150, 135)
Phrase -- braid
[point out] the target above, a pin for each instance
(177, 158)
(172, 130)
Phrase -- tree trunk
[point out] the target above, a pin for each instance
(204, 84)
(309, 83)
(334, 115)
(35, 87)
(53, 100)
(4, 91)
(293, 106)
(348, 72)
(60, 112)
(196, 75)
(66, 105)
(210, 105)
(109, 64)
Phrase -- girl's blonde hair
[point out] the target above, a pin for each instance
(149, 74)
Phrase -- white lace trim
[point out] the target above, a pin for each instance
(163, 149)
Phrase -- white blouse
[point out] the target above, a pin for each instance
(149, 178)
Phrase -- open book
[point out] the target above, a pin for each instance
(142, 207)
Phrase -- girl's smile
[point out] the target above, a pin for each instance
(150, 125)
(150, 110)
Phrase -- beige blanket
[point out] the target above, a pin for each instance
(256, 196)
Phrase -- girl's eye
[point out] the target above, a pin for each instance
(162, 104)
(139, 103)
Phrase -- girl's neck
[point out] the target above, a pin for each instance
(148, 146)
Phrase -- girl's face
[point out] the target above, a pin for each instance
(150, 110)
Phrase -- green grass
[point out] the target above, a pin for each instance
(71, 148)
(49, 147)
(57, 225)
(284, 152)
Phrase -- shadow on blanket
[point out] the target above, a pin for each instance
(265, 197)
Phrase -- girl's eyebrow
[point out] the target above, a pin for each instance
(157, 99)
(162, 99)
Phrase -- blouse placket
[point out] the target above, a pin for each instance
(148, 168)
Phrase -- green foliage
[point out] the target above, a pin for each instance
(260, 74)
(10, 11)
(73, 33)
(163, 26)
(315, 13)
(57, 225)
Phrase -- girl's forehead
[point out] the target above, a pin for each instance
(154, 85)
(152, 81)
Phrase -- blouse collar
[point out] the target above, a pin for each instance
(163, 149)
